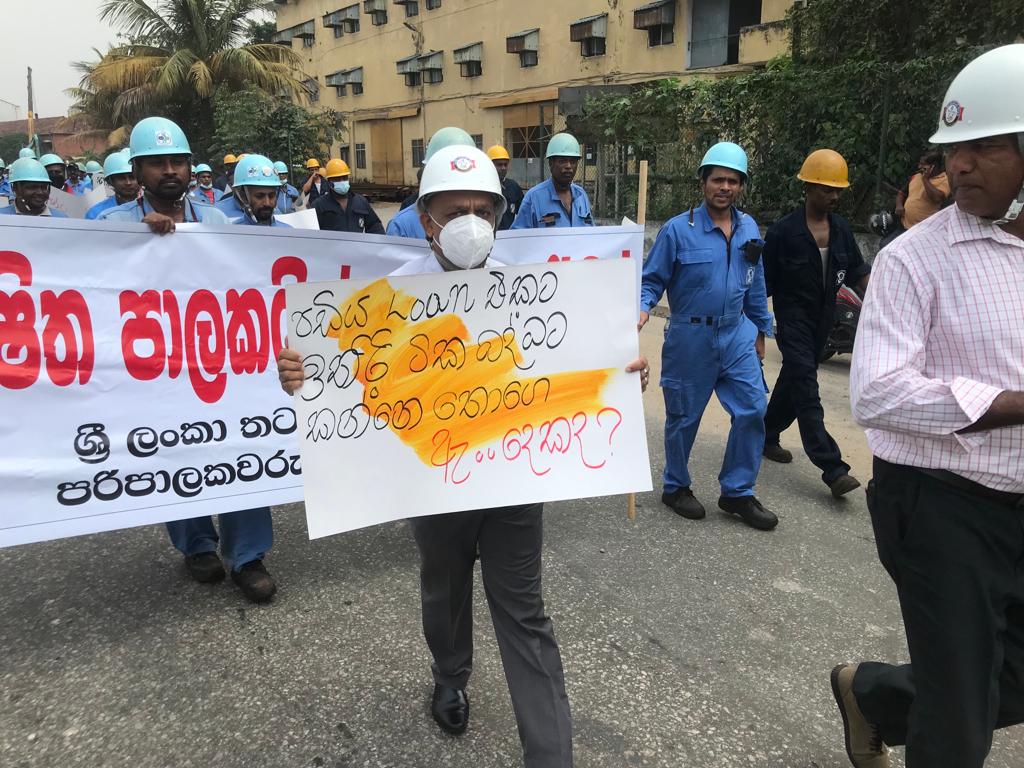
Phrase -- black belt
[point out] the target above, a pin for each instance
(710, 320)
(1005, 498)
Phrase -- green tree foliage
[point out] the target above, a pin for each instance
(10, 143)
(251, 121)
(867, 80)
(175, 55)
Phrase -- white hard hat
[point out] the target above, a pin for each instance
(461, 169)
(979, 102)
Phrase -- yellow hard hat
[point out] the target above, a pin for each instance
(229, 159)
(312, 163)
(826, 167)
(498, 152)
(336, 168)
(242, 156)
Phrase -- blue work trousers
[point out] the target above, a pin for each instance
(703, 355)
(245, 535)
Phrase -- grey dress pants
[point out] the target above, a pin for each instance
(509, 542)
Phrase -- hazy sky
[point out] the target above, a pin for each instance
(47, 35)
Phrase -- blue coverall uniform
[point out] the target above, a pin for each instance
(718, 303)
(10, 210)
(247, 534)
(5, 188)
(406, 223)
(100, 207)
(286, 199)
(541, 207)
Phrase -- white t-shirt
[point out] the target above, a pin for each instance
(428, 264)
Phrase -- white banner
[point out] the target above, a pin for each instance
(76, 206)
(137, 374)
(300, 219)
(467, 390)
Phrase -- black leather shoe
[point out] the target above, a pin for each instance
(450, 708)
(205, 567)
(775, 452)
(684, 503)
(750, 510)
(254, 581)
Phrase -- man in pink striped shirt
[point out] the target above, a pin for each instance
(938, 381)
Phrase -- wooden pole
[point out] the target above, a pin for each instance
(641, 218)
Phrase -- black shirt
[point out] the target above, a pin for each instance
(410, 200)
(358, 216)
(793, 271)
(221, 183)
(514, 197)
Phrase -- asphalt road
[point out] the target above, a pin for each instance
(693, 644)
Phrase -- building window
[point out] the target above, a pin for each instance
(306, 30)
(431, 67)
(478, 139)
(417, 152)
(409, 67)
(590, 33)
(412, 7)
(361, 157)
(433, 5)
(469, 59)
(312, 89)
(658, 19)
(340, 81)
(525, 44)
(378, 10)
(345, 154)
(660, 35)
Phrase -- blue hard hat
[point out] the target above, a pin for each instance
(563, 145)
(27, 152)
(203, 168)
(116, 163)
(156, 136)
(28, 169)
(280, 167)
(93, 167)
(447, 137)
(51, 159)
(725, 154)
(255, 171)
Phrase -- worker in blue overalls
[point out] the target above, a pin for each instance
(160, 156)
(289, 194)
(709, 260)
(557, 202)
(406, 223)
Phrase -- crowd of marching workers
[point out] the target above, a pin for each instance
(937, 380)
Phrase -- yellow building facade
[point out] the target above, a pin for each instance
(507, 71)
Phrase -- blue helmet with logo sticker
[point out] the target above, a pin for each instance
(158, 136)
(255, 171)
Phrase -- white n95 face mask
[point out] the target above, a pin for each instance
(466, 241)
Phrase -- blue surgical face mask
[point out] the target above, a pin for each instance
(341, 187)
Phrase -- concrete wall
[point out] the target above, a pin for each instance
(478, 104)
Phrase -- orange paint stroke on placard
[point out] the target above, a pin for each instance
(425, 376)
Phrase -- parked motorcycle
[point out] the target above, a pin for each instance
(844, 328)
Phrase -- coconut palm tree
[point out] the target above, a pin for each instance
(177, 53)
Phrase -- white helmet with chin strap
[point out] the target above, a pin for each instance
(979, 104)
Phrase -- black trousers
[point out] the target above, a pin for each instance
(796, 397)
(509, 541)
(958, 563)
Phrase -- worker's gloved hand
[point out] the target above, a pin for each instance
(644, 317)
(290, 370)
(158, 223)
